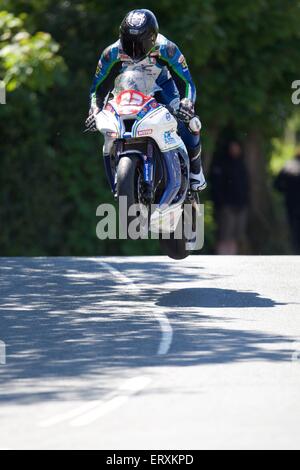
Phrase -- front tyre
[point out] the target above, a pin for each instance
(127, 176)
(129, 183)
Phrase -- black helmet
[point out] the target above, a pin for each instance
(138, 33)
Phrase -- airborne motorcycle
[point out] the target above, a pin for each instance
(147, 162)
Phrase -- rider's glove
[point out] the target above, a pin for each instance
(195, 125)
(90, 123)
(186, 110)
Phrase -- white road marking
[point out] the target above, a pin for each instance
(132, 386)
(158, 314)
(101, 410)
(90, 412)
(68, 415)
(121, 278)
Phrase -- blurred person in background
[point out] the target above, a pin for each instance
(230, 194)
(288, 182)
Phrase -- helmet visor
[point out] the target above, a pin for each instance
(136, 48)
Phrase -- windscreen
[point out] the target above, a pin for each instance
(135, 80)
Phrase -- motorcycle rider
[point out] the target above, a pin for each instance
(141, 47)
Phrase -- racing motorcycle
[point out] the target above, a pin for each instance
(146, 163)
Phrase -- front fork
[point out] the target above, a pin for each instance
(148, 169)
(148, 173)
(111, 172)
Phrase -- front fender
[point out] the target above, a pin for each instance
(110, 127)
(108, 123)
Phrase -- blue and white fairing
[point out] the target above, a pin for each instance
(150, 119)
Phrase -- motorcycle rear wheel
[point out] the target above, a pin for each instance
(177, 248)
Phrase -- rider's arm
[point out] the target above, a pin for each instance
(108, 69)
(171, 56)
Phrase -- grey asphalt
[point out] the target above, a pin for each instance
(149, 353)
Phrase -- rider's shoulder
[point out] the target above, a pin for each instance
(111, 52)
(167, 48)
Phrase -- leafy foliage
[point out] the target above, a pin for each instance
(26, 59)
(243, 56)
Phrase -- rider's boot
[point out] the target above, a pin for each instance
(197, 178)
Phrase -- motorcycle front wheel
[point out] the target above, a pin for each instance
(129, 182)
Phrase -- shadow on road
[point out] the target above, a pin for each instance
(214, 298)
(65, 319)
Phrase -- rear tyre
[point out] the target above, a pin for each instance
(178, 248)
(175, 249)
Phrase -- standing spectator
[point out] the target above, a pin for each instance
(288, 182)
(230, 192)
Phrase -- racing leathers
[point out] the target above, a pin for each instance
(165, 71)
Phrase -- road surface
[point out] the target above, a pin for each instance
(149, 353)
